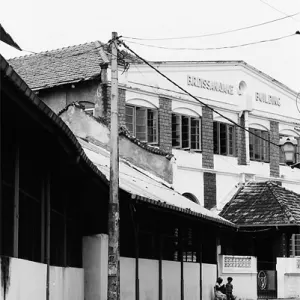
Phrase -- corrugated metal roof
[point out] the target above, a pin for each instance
(146, 188)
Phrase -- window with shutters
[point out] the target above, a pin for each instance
(142, 122)
(259, 145)
(186, 132)
(224, 139)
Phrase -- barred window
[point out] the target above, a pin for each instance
(259, 145)
(295, 245)
(142, 122)
(186, 132)
(224, 139)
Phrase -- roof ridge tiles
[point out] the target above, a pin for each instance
(53, 50)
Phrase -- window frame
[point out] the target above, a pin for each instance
(189, 148)
(134, 122)
(234, 150)
(264, 155)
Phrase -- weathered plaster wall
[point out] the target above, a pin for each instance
(86, 127)
(244, 279)
(27, 280)
(288, 277)
(57, 98)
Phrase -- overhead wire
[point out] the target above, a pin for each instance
(214, 48)
(215, 33)
(192, 96)
(278, 10)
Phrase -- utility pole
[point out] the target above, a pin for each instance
(113, 207)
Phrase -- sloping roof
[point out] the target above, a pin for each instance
(55, 122)
(82, 62)
(263, 203)
(145, 188)
(6, 38)
(61, 66)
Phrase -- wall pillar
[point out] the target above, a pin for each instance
(95, 265)
(241, 142)
(274, 150)
(165, 124)
(209, 178)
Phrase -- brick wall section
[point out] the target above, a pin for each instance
(207, 138)
(165, 124)
(241, 142)
(274, 150)
(210, 190)
(106, 95)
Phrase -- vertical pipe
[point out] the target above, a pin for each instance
(160, 279)
(16, 199)
(43, 192)
(137, 280)
(65, 231)
(48, 220)
(200, 263)
(113, 287)
(181, 265)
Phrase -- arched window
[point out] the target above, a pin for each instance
(191, 197)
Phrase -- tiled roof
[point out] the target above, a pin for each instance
(66, 65)
(263, 203)
(61, 66)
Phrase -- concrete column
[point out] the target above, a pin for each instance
(95, 265)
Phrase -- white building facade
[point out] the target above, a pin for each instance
(213, 156)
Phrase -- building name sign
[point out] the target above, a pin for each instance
(261, 97)
(210, 85)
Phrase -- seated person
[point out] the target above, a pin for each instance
(220, 290)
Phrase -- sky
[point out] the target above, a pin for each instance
(38, 25)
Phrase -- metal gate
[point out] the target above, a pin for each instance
(267, 284)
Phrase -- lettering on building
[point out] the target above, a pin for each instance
(261, 97)
(298, 263)
(210, 85)
(237, 261)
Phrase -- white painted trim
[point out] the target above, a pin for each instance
(186, 111)
(141, 103)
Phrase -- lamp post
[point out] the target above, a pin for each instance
(289, 147)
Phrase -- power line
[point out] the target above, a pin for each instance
(215, 48)
(192, 96)
(213, 34)
(280, 11)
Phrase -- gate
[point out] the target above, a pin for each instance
(266, 280)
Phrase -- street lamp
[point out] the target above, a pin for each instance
(289, 147)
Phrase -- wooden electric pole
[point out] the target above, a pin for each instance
(113, 208)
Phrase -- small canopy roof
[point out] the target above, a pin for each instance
(263, 204)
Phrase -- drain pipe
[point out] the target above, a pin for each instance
(48, 214)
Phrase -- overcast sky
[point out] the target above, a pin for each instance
(38, 25)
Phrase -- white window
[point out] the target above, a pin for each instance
(142, 122)
(224, 139)
(186, 132)
(259, 145)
